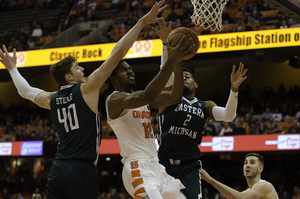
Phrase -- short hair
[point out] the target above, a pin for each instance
(260, 157)
(36, 195)
(120, 62)
(189, 71)
(61, 68)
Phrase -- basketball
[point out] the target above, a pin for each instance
(175, 36)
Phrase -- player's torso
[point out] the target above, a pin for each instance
(77, 125)
(181, 127)
(134, 131)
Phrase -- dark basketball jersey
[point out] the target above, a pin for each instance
(78, 127)
(181, 127)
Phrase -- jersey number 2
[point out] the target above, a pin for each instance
(189, 117)
(67, 115)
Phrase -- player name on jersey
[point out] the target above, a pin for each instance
(63, 100)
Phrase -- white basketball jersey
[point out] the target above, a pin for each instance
(134, 131)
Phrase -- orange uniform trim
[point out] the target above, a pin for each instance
(137, 182)
(139, 191)
(135, 173)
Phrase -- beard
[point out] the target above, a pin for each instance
(186, 90)
(132, 85)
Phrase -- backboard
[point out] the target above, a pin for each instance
(289, 7)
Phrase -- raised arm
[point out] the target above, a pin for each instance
(100, 75)
(163, 33)
(167, 98)
(228, 113)
(36, 95)
(258, 191)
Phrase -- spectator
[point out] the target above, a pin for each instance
(256, 15)
(19, 196)
(37, 32)
(239, 129)
(267, 114)
(245, 125)
(285, 111)
(271, 126)
(240, 25)
(277, 116)
(253, 129)
(295, 24)
(232, 10)
(253, 24)
(134, 5)
(285, 125)
(31, 43)
(226, 129)
(5, 194)
(101, 38)
(209, 128)
(206, 194)
(295, 128)
(283, 24)
(262, 128)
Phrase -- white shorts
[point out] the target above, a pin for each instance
(148, 177)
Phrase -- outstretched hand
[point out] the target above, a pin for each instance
(163, 31)
(238, 76)
(8, 61)
(151, 16)
(204, 175)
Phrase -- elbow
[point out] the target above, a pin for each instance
(230, 119)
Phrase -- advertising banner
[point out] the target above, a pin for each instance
(238, 143)
(250, 40)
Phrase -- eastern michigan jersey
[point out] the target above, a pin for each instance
(134, 131)
(78, 127)
(181, 127)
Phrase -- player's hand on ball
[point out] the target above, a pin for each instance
(181, 50)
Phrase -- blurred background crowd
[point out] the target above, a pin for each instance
(272, 112)
(36, 29)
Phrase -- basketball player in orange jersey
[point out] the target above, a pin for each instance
(128, 113)
(258, 188)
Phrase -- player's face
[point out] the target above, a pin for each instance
(77, 73)
(251, 167)
(189, 83)
(125, 75)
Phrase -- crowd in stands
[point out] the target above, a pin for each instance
(272, 112)
(237, 16)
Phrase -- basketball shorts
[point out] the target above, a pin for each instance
(189, 174)
(72, 179)
(146, 177)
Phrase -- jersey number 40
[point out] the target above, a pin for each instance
(68, 114)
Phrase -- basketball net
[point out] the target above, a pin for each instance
(208, 13)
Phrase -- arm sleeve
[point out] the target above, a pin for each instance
(228, 113)
(164, 57)
(24, 89)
